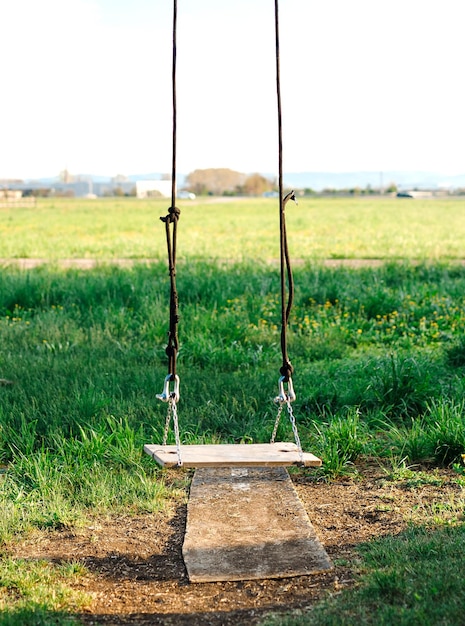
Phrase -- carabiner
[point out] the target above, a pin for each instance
(167, 395)
(284, 397)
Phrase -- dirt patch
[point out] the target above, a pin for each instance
(89, 263)
(137, 575)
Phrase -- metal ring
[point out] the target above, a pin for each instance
(166, 394)
(284, 396)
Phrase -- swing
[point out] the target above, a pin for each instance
(229, 455)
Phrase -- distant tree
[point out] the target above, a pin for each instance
(391, 188)
(119, 178)
(256, 185)
(38, 193)
(216, 181)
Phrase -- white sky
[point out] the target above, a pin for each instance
(366, 85)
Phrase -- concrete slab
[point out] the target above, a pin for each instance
(248, 523)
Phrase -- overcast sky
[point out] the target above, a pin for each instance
(366, 85)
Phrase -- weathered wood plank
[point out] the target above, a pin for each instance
(248, 523)
(282, 454)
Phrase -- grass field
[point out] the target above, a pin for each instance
(322, 228)
(378, 352)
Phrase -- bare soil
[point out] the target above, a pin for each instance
(136, 573)
(90, 263)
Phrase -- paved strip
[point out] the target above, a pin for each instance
(248, 523)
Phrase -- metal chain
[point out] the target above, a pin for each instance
(174, 411)
(167, 424)
(292, 419)
(276, 424)
(295, 431)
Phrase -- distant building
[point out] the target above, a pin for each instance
(14, 198)
(10, 194)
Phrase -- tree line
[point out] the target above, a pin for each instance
(227, 182)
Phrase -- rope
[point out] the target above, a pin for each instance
(286, 271)
(285, 265)
(171, 226)
(286, 370)
(173, 85)
(171, 238)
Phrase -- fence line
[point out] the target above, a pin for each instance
(17, 202)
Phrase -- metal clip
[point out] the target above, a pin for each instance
(284, 397)
(166, 395)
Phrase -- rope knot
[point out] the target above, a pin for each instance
(173, 215)
(170, 351)
(286, 371)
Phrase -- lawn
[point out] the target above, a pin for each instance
(379, 358)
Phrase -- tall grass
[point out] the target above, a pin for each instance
(86, 352)
(376, 374)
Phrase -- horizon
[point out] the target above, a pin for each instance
(317, 181)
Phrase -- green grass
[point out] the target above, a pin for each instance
(378, 356)
(387, 228)
(38, 593)
(86, 352)
(413, 579)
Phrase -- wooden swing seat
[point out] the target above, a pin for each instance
(281, 454)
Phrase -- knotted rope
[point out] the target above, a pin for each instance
(286, 369)
(171, 226)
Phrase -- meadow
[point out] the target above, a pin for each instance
(378, 352)
(240, 229)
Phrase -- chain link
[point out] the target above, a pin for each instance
(171, 398)
(167, 424)
(276, 424)
(295, 431)
(286, 398)
(174, 411)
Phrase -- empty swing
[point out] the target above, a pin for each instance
(228, 455)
